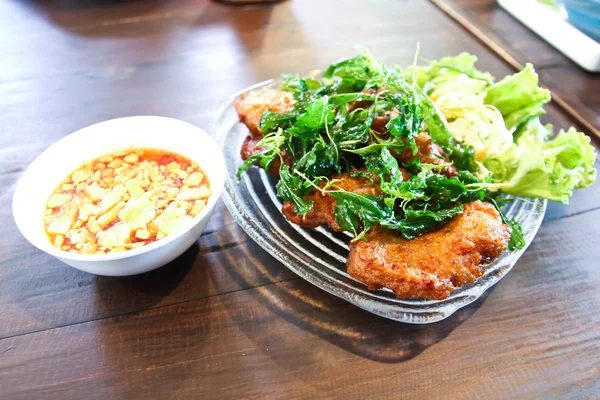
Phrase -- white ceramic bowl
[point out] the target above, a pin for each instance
(52, 166)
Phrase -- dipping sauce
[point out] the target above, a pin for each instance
(125, 200)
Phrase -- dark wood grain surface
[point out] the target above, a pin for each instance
(226, 320)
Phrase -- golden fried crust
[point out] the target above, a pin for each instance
(431, 266)
(253, 105)
(323, 211)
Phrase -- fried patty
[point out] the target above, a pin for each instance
(323, 211)
(253, 105)
(431, 266)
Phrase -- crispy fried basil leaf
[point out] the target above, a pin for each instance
(463, 157)
(410, 119)
(436, 123)
(316, 116)
(376, 148)
(352, 74)
(517, 240)
(320, 160)
(354, 210)
(271, 120)
(303, 89)
(418, 222)
(447, 191)
(366, 207)
(293, 188)
(346, 219)
(345, 98)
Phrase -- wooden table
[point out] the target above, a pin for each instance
(226, 320)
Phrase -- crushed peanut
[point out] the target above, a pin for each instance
(125, 200)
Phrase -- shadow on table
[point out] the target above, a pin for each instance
(144, 290)
(333, 319)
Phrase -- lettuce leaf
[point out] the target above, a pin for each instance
(498, 125)
(458, 91)
(550, 169)
(518, 97)
(449, 67)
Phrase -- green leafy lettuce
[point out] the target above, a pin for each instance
(518, 97)
(500, 136)
(549, 169)
(463, 64)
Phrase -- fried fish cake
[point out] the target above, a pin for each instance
(431, 266)
(323, 211)
(253, 105)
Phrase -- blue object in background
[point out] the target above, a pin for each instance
(585, 16)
